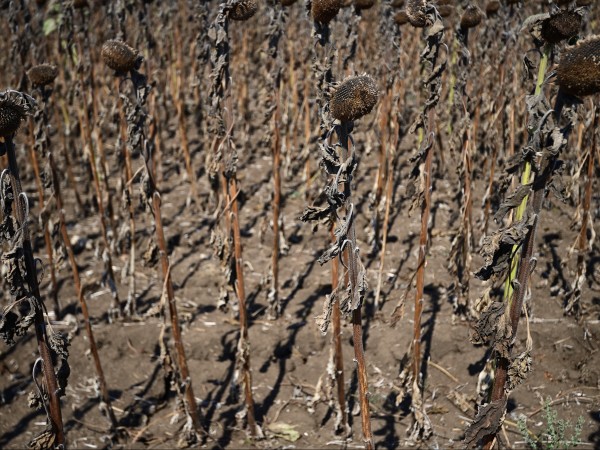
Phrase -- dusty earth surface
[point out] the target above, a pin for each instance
(289, 356)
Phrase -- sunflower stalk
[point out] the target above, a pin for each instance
(21, 212)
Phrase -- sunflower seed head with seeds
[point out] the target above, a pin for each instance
(578, 72)
(119, 56)
(14, 107)
(242, 10)
(324, 11)
(42, 74)
(354, 98)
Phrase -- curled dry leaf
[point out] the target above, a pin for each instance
(323, 320)
(497, 249)
(485, 327)
(43, 441)
(512, 201)
(488, 421)
(518, 370)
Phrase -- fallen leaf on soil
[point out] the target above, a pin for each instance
(284, 431)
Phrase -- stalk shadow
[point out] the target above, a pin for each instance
(215, 397)
(410, 244)
(283, 350)
(10, 393)
(79, 415)
(143, 301)
(594, 437)
(142, 408)
(7, 351)
(390, 439)
(428, 327)
(551, 240)
(298, 285)
(20, 428)
(593, 261)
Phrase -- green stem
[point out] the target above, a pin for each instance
(526, 176)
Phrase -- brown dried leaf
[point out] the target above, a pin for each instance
(420, 429)
(361, 288)
(512, 201)
(59, 343)
(462, 401)
(150, 257)
(62, 376)
(488, 420)
(34, 401)
(324, 319)
(518, 370)
(497, 248)
(485, 328)
(398, 312)
(44, 440)
(503, 337)
(315, 213)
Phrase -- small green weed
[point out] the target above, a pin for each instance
(555, 435)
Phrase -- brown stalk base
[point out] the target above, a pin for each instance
(352, 260)
(420, 286)
(55, 414)
(166, 273)
(244, 343)
(337, 348)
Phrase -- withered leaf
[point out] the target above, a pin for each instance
(534, 24)
(59, 343)
(329, 254)
(518, 370)
(497, 248)
(34, 401)
(556, 185)
(341, 234)
(361, 288)
(312, 213)
(150, 257)
(485, 327)
(62, 376)
(43, 441)
(512, 201)
(8, 323)
(487, 422)
(503, 336)
(324, 319)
